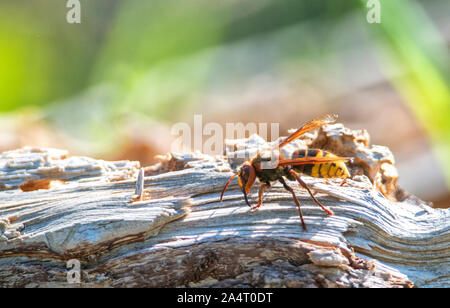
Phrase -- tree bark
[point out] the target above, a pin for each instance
(181, 235)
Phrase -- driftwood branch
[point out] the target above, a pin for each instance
(179, 234)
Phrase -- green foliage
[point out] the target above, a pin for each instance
(404, 38)
(154, 56)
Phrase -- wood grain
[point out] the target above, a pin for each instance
(183, 236)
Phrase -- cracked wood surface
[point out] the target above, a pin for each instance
(183, 236)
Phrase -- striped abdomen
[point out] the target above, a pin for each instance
(336, 169)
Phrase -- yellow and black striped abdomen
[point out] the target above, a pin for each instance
(336, 169)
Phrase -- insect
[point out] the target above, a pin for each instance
(314, 162)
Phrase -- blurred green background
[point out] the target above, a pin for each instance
(112, 86)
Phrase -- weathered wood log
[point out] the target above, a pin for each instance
(183, 236)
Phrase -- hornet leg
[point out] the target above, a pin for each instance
(262, 189)
(282, 181)
(303, 184)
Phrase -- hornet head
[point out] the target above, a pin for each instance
(246, 178)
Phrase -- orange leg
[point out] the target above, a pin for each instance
(261, 191)
(343, 182)
(300, 214)
(303, 184)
